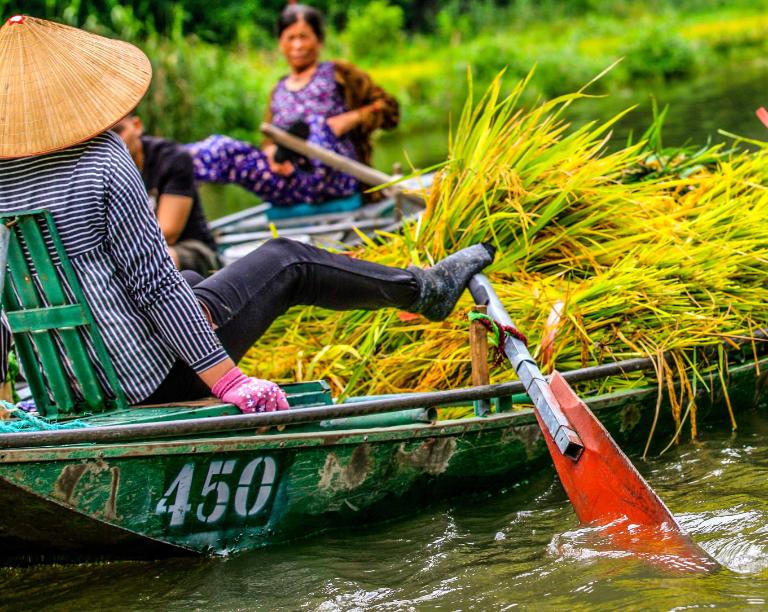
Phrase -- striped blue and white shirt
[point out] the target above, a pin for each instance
(145, 311)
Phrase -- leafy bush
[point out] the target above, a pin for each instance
(458, 20)
(488, 55)
(373, 31)
(659, 52)
(452, 25)
(198, 89)
(239, 21)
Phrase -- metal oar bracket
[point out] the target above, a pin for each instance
(547, 407)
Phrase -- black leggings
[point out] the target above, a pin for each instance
(246, 296)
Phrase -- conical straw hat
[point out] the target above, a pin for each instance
(60, 86)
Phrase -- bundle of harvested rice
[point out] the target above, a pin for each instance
(645, 253)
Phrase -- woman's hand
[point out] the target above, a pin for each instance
(250, 394)
(284, 169)
(343, 123)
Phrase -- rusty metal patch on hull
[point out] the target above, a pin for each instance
(529, 435)
(337, 477)
(69, 485)
(431, 456)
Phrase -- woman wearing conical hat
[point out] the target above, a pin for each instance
(61, 89)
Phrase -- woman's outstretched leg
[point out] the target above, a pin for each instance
(245, 297)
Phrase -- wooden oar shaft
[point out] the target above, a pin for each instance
(363, 173)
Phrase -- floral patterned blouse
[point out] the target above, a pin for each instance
(320, 98)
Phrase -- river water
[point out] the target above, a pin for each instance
(698, 110)
(516, 548)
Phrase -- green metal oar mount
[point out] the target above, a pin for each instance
(536, 386)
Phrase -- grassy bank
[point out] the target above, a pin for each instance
(201, 88)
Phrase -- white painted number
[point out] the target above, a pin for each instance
(215, 482)
(222, 491)
(246, 480)
(182, 486)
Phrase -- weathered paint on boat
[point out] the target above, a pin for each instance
(219, 495)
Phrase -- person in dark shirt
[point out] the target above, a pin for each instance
(169, 178)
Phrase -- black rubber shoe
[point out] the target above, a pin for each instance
(441, 286)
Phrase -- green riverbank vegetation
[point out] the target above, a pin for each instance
(642, 253)
(215, 64)
(645, 252)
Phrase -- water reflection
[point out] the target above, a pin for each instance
(519, 547)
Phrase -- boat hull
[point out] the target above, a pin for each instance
(221, 495)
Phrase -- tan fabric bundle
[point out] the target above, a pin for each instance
(60, 85)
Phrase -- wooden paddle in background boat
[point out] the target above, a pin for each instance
(336, 222)
(365, 174)
(604, 487)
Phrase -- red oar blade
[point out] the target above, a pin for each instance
(603, 485)
(606, 489)
(762, 114)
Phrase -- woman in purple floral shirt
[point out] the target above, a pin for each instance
(338, 102)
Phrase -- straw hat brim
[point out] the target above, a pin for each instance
(60, 86)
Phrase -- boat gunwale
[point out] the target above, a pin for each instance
(210, 426)
(268, 442)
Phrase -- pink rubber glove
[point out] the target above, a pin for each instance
(249, 394)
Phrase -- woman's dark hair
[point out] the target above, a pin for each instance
(297, 12)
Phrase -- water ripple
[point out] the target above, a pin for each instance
(520, 548)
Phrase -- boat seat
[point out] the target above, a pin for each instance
(305, 209)
(62, 353)
(54, 331)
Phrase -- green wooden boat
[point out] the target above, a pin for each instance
(202, 479)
